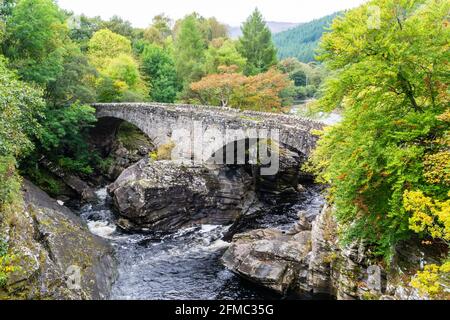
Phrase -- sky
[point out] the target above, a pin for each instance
(232, 12)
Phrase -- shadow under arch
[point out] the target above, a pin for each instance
(104, 136)
(283, 185)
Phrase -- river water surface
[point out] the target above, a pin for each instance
(184, 265)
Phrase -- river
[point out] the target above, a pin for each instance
(185, 265)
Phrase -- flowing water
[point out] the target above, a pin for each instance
(184, 265)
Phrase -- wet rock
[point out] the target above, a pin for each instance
(268, 257)
(303, 224)
(122, 157)
(165, 195)
(350, 272)
(323, 253)
(283, 186)
(313, 261)
(54, 250)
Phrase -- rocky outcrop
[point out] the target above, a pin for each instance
(165, 195)
(282, 187)
(309, 259)
(84, 191)
(56, 257)
(269, 257)
(350, 272)
(122, 158)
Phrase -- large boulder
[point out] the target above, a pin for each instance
(56, 257)
(165, 195)
(269, 257)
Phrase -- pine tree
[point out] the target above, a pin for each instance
(256, 45)
(190, 47)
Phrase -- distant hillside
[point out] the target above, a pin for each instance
(301, 41)
(275, 27)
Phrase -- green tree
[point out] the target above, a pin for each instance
(189, 49)
(63, 138)
(391, 83)
(223, 52)
(215, 29)
(210, 28)
(159, 67)
(124, 68)
(159, 31)
(6, 7)
(36, 32)
(256, 45)
(21, 106)
(105, 46)
(120, 78)
(75, 82)
(82, 28)
(120, 26)
(307, 77)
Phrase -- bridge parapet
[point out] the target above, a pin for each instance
(159, 121)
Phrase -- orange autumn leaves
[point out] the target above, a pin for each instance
(262, 92)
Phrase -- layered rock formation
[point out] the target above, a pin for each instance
(269, 257)
(281, 187)
(310, 260)
(56, 257)
(165, 195)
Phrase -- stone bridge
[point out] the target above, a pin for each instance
(161, 121)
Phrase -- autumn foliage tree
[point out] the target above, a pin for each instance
(262, 92)
(387, 161)
(219, 88)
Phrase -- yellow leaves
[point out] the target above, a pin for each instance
(445, 117)
(106, 45)
(427, 281)
(318, 133)
(445, 268)
(432, 280)
(428, 215)
(437, 168)
(7, 267)
(120, 86)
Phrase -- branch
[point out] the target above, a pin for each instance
(408, 90)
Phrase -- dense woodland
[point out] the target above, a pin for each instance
(387, 163)
(302, 41)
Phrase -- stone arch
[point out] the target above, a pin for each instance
(231, 149)
(282, 185)
(159, 122)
